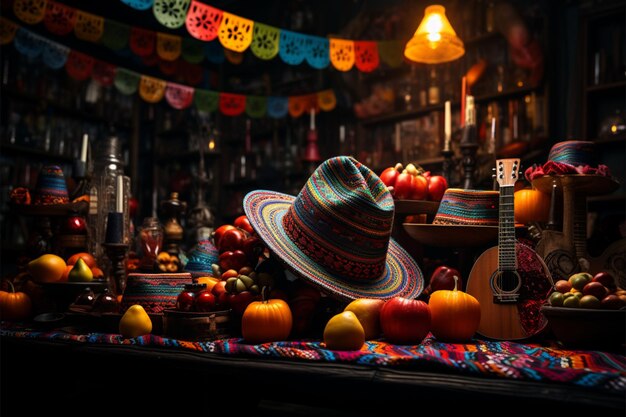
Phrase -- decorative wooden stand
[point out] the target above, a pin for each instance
(565, 252)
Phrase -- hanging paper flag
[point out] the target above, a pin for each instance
(317, 52)
(29, 11)
(327, 100)
(79, 65)
(232, 104)
(151, 89)
(8, 30)
(214, 52)
(265, 41)
(292, 47)
(233, 57)
(168, 67)
(27, 43)
(342, 54)
(192, 50)
(178, 96)
(277, 107)
(206, 101)
(256, 106)
(142, 41)
(149, 61)
(299, 104)
(88, 27)
(168, 46)
(126, 81)
(138, 4)
(235, 32)
(171, 13)
(55, 55)
(115, 35)
(59, 18)
(194, 74)
(391, 53)
(203, 21)
(366, 55)
(103, 73)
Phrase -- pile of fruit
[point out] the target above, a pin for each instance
(583, 290)
(413, 183)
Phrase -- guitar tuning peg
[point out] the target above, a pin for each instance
(493, 169)
(493, 175)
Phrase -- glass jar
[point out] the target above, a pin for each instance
(151, 242)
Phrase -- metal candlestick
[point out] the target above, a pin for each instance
(117, 253)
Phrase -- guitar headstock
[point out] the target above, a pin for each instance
(507, 171)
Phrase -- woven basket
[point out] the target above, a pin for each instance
(154, 292)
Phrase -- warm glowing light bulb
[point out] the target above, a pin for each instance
(613, 128)
(211, 144)
(433, 27)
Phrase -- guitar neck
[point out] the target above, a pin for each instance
(507, 260)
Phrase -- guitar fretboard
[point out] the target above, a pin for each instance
(507, 259)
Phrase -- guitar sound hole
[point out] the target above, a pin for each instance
(505, 286)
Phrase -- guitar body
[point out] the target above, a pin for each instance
(516, 320)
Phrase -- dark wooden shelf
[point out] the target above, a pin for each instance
(404, 115)
(34, 152)
(606, 86)
(65, 110)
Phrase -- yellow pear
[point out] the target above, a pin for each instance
(80, 272)
(47, 268)
(367, 310)
(344, 332)
(135, 322)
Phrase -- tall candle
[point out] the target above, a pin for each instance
(119, 200)
(312, 119)
(463, 95)
(83, 149)
(342, 134)
(447, 126)
(397, 142)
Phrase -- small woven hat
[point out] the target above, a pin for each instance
(336, 233)
(464, 218)
(51, 186)
(201, 259)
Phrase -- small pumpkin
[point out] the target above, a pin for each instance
(455, 315)
(14, 305)
(531, 205)
(268, 320)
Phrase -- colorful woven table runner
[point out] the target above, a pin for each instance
(599, 370)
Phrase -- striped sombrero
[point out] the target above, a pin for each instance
(336, 233)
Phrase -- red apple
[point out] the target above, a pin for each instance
(239, 301)
(75, 225)
(605, 278)
(405, 321)
(232, 260)
(437, 185)
(205, 301)
(232, 240)
(243, 223)
(612, 302)
(219, 232)
(596, 289)
(442, 278)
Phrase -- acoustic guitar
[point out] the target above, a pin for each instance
(510, 280)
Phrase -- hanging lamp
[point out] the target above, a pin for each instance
(434, 41)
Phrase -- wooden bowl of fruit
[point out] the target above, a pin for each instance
(588, 311)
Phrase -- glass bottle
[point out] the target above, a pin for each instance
(151, 242)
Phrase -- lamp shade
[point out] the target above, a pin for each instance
(435, 40)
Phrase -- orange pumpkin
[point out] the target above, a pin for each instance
(531, 206)
(266, 321)
(14, 305)
(455, 315)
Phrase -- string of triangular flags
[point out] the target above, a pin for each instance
(210, 27)
(81, 67)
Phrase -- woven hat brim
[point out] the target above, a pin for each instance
(451, 235)
(402, 276)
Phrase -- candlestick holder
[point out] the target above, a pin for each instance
(117, 253)
(468, 150)
(447, 164)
